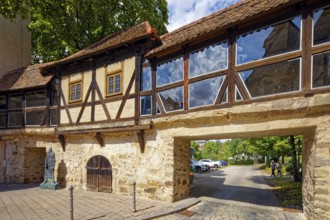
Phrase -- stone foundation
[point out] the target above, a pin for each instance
(162, 171)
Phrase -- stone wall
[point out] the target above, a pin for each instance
(162, 171)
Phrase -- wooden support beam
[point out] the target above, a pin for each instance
(140, 136)
(61, 139)
(99, 139)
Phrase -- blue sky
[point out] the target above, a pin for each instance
(182, 12)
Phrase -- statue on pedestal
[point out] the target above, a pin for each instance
(49, 177)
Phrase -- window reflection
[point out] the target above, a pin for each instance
(38, 98)
(321, 26)
(272, 79)
(238, 95)
(208, 59)
(170, 72)
(15, 119)
(146, 79)
(15, 101)
(145, 105)
(2, 120)
(172, 99)
(225, 97)
(321, 70)
(204, 92)
(270, 41)
(33, 118)
(3, 102)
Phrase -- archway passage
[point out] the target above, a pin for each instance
(99, 174)
(34, 162)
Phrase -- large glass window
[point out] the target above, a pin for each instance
(3, 104)
(169, 72)
(321, 70)
(15, 101)
(2, 120)
(146, 79)
(209, 59)
(321, 26)
(33, 118)
(145, 105)
(15, 119)
(172, 99)
(54, 98)
(273, 79)
(75, 91)
(38, 98)
(273, 40)
(204, 92)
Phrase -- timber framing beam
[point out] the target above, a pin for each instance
(61, 139)
(140, 136)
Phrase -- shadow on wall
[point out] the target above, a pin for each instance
(61, 174)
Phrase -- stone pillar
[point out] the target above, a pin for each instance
(181, 169)
(316, 176)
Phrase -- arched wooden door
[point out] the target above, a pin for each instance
(99, 174)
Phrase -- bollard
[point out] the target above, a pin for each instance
(71, 202)
(134, 196)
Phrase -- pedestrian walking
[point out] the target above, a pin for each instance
(279, 169)
(273, 166)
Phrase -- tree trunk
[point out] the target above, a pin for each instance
(294, 159)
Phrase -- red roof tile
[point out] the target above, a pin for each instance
(114, 40)
(219, 21)
(23, 78)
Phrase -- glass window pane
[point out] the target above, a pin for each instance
(146, 79)
(208, 59)
(272, 79)
(3, 102)
(15, 119)
(172, 99)
(224, 97)
(55, 98)
(38, 98)
(170, 72)
(78, 91)
(110, 85)
(204, 92)
(117, 78)
(15, 101)
(270, 41)
(321, 26)
(53, 117)
(146, 105)
(34, 118)
(2, 120)
(73, 92)
(321, 70)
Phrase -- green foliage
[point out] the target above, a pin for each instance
(62, 27)
(198, 153)
(211, 150)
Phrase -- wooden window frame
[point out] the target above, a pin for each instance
(114, 74)
(39, 106)
(74, 83)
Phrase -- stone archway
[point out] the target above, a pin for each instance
(99, 174)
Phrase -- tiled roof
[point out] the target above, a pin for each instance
(217, 21)
(23, 78)
(116, 39)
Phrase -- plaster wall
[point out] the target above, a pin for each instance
(15, 44)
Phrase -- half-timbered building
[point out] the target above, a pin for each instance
(126, 108)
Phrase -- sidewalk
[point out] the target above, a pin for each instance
(26, 201)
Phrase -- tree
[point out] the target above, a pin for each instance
(62, 27)
(198, 153)
(211, 150)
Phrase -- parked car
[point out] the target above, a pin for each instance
(198, 167)
(223, 163)
(210, 163)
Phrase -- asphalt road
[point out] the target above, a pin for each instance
(234, 192)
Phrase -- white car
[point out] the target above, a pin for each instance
(211, 163)
(198, 167)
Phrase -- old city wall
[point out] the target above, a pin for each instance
(162, 171)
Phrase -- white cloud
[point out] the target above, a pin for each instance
(182, 12)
